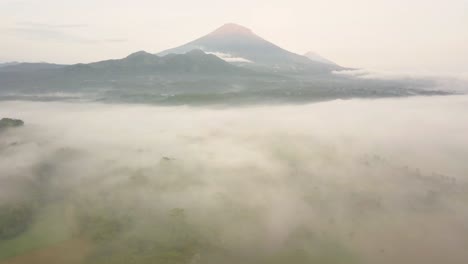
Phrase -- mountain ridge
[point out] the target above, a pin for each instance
(231, 64)
(237, 41)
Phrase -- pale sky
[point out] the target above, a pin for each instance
(414, 36)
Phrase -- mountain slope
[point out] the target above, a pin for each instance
(240, 45)
(195, 61)
(138, 69)
(316, 57)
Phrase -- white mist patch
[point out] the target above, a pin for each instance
(230, 58)
(457, 83)
(375, 181)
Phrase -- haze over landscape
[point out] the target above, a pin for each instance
(203, 132)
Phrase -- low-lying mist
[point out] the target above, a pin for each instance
(345, 181)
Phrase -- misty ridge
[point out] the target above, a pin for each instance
(231, 65)
(345, 181)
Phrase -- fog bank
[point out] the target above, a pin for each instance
(345, 181)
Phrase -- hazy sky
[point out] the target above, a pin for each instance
(422, 36)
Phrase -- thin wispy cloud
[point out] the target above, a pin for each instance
(57, 32)
(45, 25)
(48, 34)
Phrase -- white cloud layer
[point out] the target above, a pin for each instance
(387, 178)
(452, 82)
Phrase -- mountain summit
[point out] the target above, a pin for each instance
(240, 45)
(231, 28)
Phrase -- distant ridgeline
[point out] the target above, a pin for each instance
(9, 122)
(231, 64)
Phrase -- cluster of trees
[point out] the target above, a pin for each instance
(14, 219)
(9, 122)
(121, 230)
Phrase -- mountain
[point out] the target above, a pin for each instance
(239, 45)
(139, 69)
(231, 64)
(194, 61)
(316, 57)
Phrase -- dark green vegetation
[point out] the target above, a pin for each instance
(14, 219)
(8, 122)
(122, 229)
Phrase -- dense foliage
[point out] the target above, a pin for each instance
(8, 122)
(14, 219)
